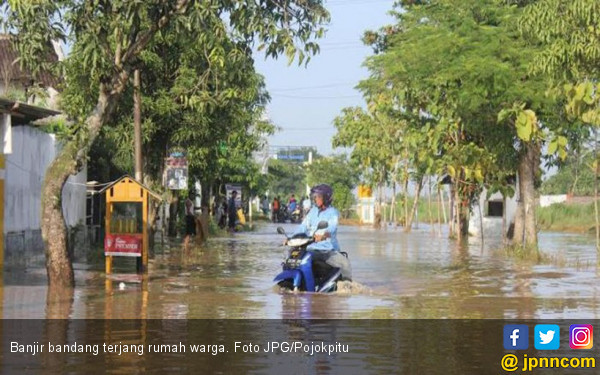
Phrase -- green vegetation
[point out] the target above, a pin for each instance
(341, 174)
(449, 95)
(567, 217)
(201, 91)
(422, 213)
(566, 33)
(286, 178)
(471, 92)
(575, 177)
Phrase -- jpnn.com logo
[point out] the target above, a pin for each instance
(516, 337)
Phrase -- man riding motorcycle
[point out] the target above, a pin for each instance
(326, 247)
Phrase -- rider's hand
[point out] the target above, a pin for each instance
(285, 242)
(321, 237)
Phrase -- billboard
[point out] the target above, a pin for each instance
(176, 172)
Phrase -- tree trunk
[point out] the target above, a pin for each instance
(69, 161)
(54, 228)
(480, 221)
(440, 207)
(596, 173)
(464, 211)
(519, 223)
(504, 232)
(405, 218)
(442, 203)
(409, 220)
(430, 212)
(152, 229)
(393, 204)
(457, 213)
(173, 213)
(452, 208)
(525, 232)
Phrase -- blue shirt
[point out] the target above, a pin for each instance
(310, 223)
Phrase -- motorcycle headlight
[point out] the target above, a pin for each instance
(297, 242)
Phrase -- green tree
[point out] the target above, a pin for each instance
(286, 178)
(109, 37)
(567, 34)
(443, 73)
(575, 176)
(341, 174)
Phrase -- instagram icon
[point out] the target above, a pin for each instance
(581, 336)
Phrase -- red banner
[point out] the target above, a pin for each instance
(129, 245)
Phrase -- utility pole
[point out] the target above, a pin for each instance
(137, 125)
(141, 262)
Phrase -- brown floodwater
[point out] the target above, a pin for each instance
(396, 275)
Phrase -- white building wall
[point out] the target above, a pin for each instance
(548, 200)
(492, 226)
(33, 150)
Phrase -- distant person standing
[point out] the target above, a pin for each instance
(190, 220)
(292, 204)
(265, 205)
(222, 212)
(275, 208)
(232, 211)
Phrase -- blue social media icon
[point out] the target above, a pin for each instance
(546, 337)
(516, 337)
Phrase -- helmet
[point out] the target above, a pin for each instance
(324, 190)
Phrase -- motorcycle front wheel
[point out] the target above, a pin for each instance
(286, 284)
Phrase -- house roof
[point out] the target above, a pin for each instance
(22, 113)
(155, 195)
(9, 67)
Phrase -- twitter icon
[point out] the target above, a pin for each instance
(546, 337)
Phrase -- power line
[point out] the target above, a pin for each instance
(317, 97)
(335, 44)
(303, 129)
(314, 87)
(357, 2)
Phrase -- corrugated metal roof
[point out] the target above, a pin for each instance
(10, 68)
(23, 113)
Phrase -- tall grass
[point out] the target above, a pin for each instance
(422, 210)
(557, 217)
(566, 217)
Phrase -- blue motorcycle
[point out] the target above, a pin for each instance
(301, 272)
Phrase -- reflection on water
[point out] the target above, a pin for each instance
(397, 275)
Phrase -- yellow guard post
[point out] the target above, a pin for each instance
(127, 220)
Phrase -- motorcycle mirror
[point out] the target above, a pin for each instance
(322, 225)
(280, 230)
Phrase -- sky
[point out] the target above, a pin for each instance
(306, 100)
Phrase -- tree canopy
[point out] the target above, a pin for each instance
(109, 39)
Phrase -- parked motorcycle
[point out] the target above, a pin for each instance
(301, 272)
(296, 216)
(283, 214)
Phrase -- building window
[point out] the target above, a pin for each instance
(495, 208)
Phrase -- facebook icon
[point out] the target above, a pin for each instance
(516, 337)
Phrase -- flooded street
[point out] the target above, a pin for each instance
(396, 275)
